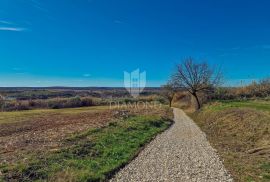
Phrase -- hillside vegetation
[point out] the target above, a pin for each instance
(240, 131)
(18, 100)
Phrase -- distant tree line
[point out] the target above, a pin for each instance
(259, 89)
(56, 103)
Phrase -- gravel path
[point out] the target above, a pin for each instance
(182, 153)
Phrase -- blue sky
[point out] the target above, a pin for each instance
(92, 42)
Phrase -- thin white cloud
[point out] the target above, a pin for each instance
(78, 80)
(118, 22)
(38, 5)
(17, 69)
(86, 75)
(21, 73)
(6, 25)
(266, 46)
(248, 48)
(236, 48)
(6, 22)
(13, 29)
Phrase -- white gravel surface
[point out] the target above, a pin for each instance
(181, 153)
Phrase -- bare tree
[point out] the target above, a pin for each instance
(196, 78)
(169, 90)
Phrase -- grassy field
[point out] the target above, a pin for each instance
(74, 144)
(254, 104)
(240, 131)
(16, 117)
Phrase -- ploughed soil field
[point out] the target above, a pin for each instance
(25, 132)
(35, 132)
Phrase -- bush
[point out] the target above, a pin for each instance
(87, 102)
(259, 89)
(70, 102)
(56, 103)
(15, 106)
(73, 102)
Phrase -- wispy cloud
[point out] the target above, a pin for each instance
(21, 73)
(235, 50)
(38, 5)
(10, 26)
(6, 22)
(17, 69)
(118, 22)
(13, 29)
(266, 46)
(86, 75)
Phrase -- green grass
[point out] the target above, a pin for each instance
(266, 168)
(93, 155)
(254, 104)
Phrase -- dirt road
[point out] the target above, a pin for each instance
(182, 153)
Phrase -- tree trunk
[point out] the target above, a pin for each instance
(170, 102)
(198, 104)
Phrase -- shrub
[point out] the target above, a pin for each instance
(87, 102)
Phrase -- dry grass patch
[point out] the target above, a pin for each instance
(242, 137)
